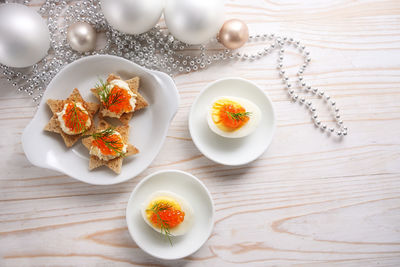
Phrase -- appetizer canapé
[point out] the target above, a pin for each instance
(72, 118)
(119, 98)
(108, 146)
(233, 117)
(168, 214)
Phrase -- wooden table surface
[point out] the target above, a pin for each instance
(309, 200)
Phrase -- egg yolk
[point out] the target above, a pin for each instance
(229, 115)
(165, 212)
(75, 118)
(109, 144)
(118, 101)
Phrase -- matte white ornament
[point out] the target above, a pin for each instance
(132, 16)
(24, 36)
(81, 37)
(194, 21)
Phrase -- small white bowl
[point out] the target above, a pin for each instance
(194, 192)
(229, 151)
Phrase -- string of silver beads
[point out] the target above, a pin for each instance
(155, 49)
(278, 43)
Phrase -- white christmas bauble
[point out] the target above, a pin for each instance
(132, 16)
(194, 21)
(24, 36)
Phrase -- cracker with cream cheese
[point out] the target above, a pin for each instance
(116, 163)
(133, 84)
(57, 106)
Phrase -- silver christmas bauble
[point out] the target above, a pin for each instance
(81, 37)
(132, 16)
(194, 21)
(24, 36)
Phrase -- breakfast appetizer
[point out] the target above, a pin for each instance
(72, 117)
(233, 117)
(168, 214)
(108, 146)
(119, 98)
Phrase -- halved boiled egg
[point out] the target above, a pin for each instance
(168, 213)
(233, 117)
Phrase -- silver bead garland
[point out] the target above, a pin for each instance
(155, 49)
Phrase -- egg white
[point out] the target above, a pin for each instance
(246, 129)
(184, 226)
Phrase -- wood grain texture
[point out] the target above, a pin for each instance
(309, 200)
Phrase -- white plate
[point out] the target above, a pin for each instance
(194, 192)
(148, 126)
(231, 151)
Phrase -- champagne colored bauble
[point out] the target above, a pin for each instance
(132, 16)
(233, 34)
(194, 21)
(24, 36)
(81, 37)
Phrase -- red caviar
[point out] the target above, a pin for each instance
(109, 144)
(75, 118)
(169, 216)
(228, 120)
(118, 100)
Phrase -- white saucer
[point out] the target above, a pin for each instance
(229, 151)
(194, 192)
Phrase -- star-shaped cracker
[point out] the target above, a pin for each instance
(113, 164)
(134, 86)
(58, 105)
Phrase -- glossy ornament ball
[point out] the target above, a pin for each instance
(132, 16)
(233, 34)
(24, 36)
(81, 37)
(194, 21)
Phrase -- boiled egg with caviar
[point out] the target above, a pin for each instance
(166, 211)
(233, 117)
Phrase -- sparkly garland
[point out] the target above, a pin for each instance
(155, 49)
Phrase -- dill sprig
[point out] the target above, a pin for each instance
(77, 122)
(107, 97)
(112, 144)
(238, 116)
(164, 227)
